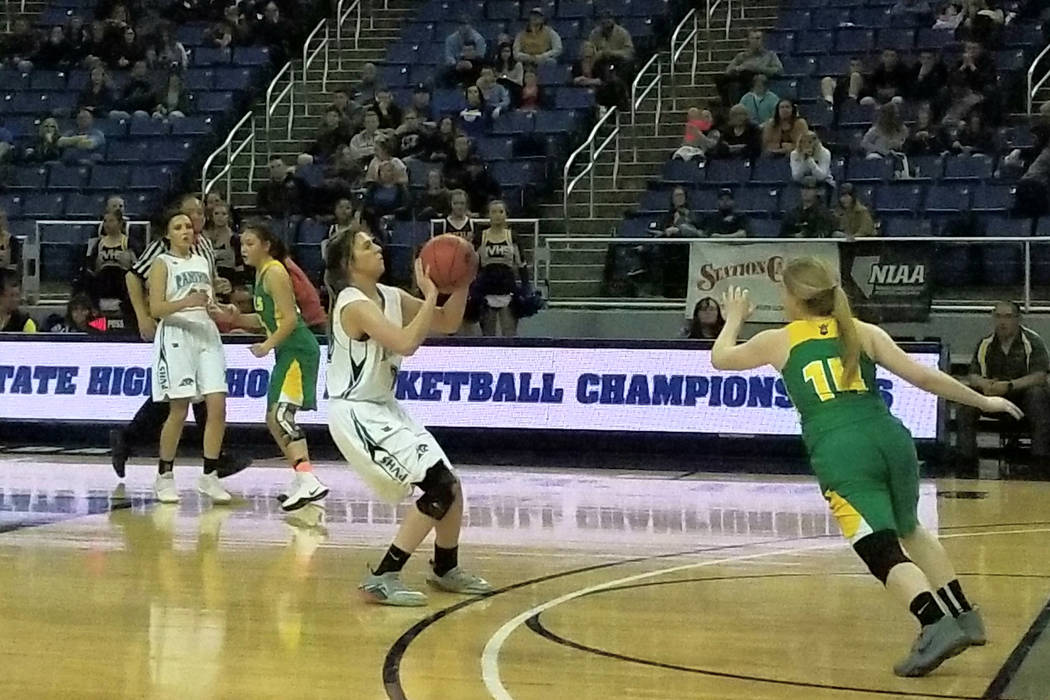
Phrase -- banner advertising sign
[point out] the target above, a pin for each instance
(888, 282)
(650, 388)
(716, 266)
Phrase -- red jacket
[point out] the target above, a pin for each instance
(306, 297)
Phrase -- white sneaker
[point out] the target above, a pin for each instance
(209, 485)
(306, 489)
(164, 488)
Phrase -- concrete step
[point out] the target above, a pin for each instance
(575, 289)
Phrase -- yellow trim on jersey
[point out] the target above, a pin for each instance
(812, 329)
(292, 388)
(851, 522)
(262, 271)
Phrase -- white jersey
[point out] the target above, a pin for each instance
(187, 275)
(363, 370)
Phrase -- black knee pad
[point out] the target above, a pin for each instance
(440, 488)
(881, 551)
(284, 417)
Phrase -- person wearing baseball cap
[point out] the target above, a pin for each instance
(811, 219)
(537, 43)
(726, 222)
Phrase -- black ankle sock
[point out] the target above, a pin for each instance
(954, 598)
(393, 561)
(924, 607)
(211, 464)
(445, 560)
(165, 466)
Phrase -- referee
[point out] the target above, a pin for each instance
(144, 428)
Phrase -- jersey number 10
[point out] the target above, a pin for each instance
(817, 374)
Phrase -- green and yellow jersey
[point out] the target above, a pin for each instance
(294, 376)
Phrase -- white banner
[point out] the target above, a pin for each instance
(663, 388)
(715, 266)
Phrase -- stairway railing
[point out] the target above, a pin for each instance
(594, 149)
(232, 153)
(275, 98)
(686, 35)
(639, 93)
(318, 36)
(341, 16)
(1043, 77)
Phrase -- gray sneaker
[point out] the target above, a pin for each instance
(459, 581)
(388, 589)
(936, 644)
(973, 627)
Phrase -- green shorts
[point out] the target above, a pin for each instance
(294, 378)
(869, 473)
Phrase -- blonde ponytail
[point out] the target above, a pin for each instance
(849, 337)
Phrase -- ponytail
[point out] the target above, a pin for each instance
(335, 278)
(849, 336)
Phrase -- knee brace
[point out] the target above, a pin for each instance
(284, 418)
(440, 488)
(881, 551)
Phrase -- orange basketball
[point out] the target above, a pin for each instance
(452, 261)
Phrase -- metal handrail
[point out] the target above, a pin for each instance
(309, 56)
(711, 7)
(340, 18)
(595, 151)
(637, 99)
(1033, 89)
(1025, 241)
(678, 46)
(272, 103)
(231, 154)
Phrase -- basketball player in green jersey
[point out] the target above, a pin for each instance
(862, 455)
(293, 381)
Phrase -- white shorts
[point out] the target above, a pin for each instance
(188, 363)
(382, 443)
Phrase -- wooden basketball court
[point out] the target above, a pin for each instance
(609, 585)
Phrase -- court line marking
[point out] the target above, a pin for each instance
(490, 655)
(1001, 683)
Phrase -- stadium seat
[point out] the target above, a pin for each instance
(210, 56)
(312, 232)
(495, 148)
(872, 17)
(683, 171)
(932, 39)
(151, 177)
(43, 205)
(171, 150)
(793, 20)
(728, 172)
(419, 32)
(773, 171)
(251, 56)
(638, 227)
(43, 80)
(993, 198)
(553, 74)
(575, 9)
(214, 102)
(574, 98)
(192, 126)
(854, 114)
(554, 122)
(233, 79)
(85, 206)
(961, 167)
(785, 88)
(898, 198)
(862, 169)
(514, 173)
(763, 228)
(654, 201)
(66, 177)
(410, 233)
(448, 101)
(756, 201)
(904, 227)
(799, 66)
(127, 151)
(11, 204)
(199, 79)
(854, 41)
(900, 39)
(310, 260)
(1002, 226)
(112, 178)
(926, 167)
(829, 18)
(813, 42)
(947, 199)
(704, 199)
(31, 177)
(142, 128)
(393, 75)
(418, 169)
(952, 265)
(1002, 264)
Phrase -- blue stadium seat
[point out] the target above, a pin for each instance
(703, 200)
(13, 81)
(210, 56)
(171, 151)
(11, 204)
(854, 114)
(505, 10)
(947, 199)
(1042, 226)
(1041, 263)
(495, 148)
(756, 201)
(569, 29)
(199, 79)
(29, 177)
(873, 17)
(818, 115)
(861, 169)
(793, 20)
(574, 98)
(67, 234)
(66, 177)
(312, 232)
(85, 206)
(210, 102)
(799, 66)
(410, 233)
(898, 198)
(550, 74)
(575, 9)
(785, 89)
(192, 126)
(127, 151)
(45, 80)
(926, 167)
(233, 79)
(1022, 35)
(833, 65)
(419, 33)
(900, 39)
(140, 128)
(904, 227)
(635, 227)
(829, 18)
(448, 101)
(813, 42)
(854, 41)
(393, 75)
(993, 198)
(515, 173)
(1001, 225)
(781, 42)
(190, 34)
(932, 39)
(43, 205)
(554, 122)
(654, 201)
(978, 167)
(418, 169)
(683, 171)
(775, 170)
(763, 228)
(151, 177)
(728, 172)
(1010, 61)
(251, 56)
(1002, 263)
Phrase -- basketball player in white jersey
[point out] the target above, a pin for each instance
(188, 358)
(372, 327)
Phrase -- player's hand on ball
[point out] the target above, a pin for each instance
(426, 286)
(736, 304)
(259, 350)
(997, 404)
(195, 298)
(222, 285)
(224, 313)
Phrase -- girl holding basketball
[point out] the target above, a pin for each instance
(372, 327)
(862, 455)
(293, 381)
(501, 266)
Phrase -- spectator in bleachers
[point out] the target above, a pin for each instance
(740, 138)
(19, 46)
(501, 267)
(914, 12)
(8, 150)
(612, 42)
(811, 218)
(107, 260)
(214, 200)
(974, 79)
(726, 222)
(444, 143)
(781, 133)
(707, 320)
(981, 23)
(173, 101)
(537, 42)
(97, 96)
(465, 171)
(239, 24)
(885, 138)
(220, 36)
(928, 78)
(387, 197)
(349, 113)
(496, 97)
(275, 32)
(124, 52)
(386, 109)
(56, 53)
(363, 144)
(1011, 362)
(167, 52)
(888, 82)
(333, 134)
(281, 196)
(532, 95)
(10, 247)
(589, 71)
(760, 102)
(677, 222)
(12, 318)
(85, 143)
(138, 97)
(738, 74)
(436, 200)
(114, 205)
(383, 156)
(78, 37)
(413, 138)
(80, 312)
(364, 93)
(509, 71)
(700, 135)
(473, 119)
(811, 159)
(459, 219)
(926, 138)
(972, 137)
(45, 148)
(421, 103)
(850, 86)
(949, 17)
(465, 49)
(219, 230)
(854, 218)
